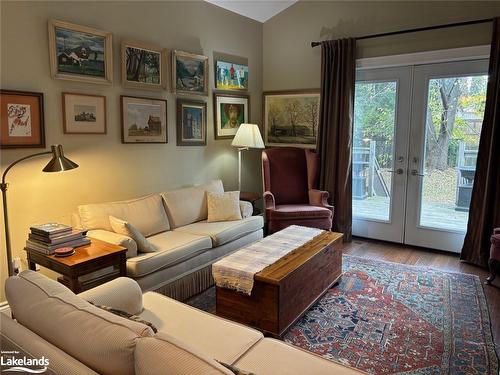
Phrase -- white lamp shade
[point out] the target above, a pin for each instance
(248, 135)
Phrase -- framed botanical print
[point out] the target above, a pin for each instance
(80, 53)
(144, 66)
(291, 118)
(189, 73)
(230, 111)
(83, 113)
(144, 120)
(191, 123)
(230, 76)
(21, 119)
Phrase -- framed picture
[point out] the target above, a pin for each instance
(230, 76)
(230, 111)
(83, 113)
(144, 120)
(291, 118)
(191, 123)
(189, 73)
(80, 53)
(144, 66)
(21, 119)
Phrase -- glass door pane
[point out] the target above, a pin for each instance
(373, 149)
(455, 110)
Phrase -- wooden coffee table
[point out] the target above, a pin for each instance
(285, 290)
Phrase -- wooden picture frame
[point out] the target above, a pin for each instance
(231, 76)
(21, 119)
(139, 115)
(130, 67)
(83, 113)
(223, 103)
(72, 61)
(192, 83)
(278, 135)
(194, 134)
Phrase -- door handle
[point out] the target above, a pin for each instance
(397, 171)
(414, 172)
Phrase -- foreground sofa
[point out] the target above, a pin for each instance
(176, 223)
(80, 338)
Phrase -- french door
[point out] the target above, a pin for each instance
(416, 133)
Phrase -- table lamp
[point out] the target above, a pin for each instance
(58, 163)
(248, 136)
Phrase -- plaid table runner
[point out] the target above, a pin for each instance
(236, 271)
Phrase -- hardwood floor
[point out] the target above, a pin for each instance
(416, 256)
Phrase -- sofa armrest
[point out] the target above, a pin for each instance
(269, 202)
(319, 198)
(122, 293)
(115, 239)
(496, 231)
(246, 209)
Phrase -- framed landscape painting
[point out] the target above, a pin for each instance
(21, 119)
(189, 73)
(230, 111)
(144, 66)
(291, 118)
(230, 76)
(191, 123)
(80, 53)
(144, 120)
(83, 113)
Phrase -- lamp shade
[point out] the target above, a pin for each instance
(59, 162)
(248, 135)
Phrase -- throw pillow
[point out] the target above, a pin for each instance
(236, 370)
(223, 206)
(127, 229)
(127, 315)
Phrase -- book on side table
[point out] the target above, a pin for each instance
(46, 238)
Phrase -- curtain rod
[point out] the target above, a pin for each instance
(390, 33)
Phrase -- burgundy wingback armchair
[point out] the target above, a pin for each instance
(290, 176)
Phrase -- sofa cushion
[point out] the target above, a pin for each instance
(294, 211)
(127, 229)
(164, 354)
(224, 231)
(101, 340)
(273, 357)
(188, 205)
(219, 338)
(172, 247)
(147, 214)
(223, 206)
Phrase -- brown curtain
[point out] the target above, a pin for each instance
(484, 214)
(338, 77)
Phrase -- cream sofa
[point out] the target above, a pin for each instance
(176, 223)
(79, 338)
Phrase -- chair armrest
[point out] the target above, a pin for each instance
(319, 198)
(246, 209)
(115, 239)
(269, 201)
(122, 293)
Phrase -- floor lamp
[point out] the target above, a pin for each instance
(248, 136)
(58, 163)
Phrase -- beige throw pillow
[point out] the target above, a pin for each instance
(127, 229)
(223, 206)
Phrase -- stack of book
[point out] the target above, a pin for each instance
(46, 238)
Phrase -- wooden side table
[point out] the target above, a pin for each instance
(252, 198)
(87, 259)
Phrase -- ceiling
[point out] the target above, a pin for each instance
(259, 10)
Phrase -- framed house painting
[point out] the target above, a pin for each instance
(83, 113)
(230, 76)
(21, 119)
(230, 111)
(189, 73)
(191, 123)
(144, 120)
(144, 66)
(291, 118)
(80, 53)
